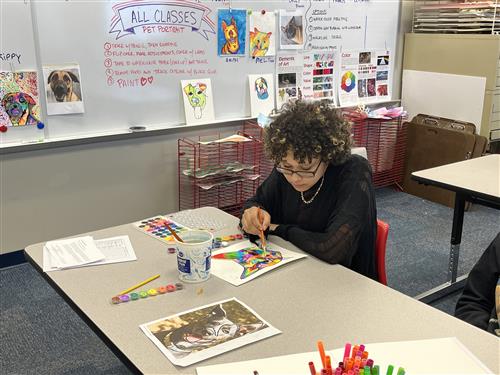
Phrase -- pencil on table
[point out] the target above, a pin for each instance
(139, 285)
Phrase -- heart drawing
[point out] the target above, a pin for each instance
(146, 80)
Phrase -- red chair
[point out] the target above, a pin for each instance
(380, 244)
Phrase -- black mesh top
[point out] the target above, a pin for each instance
(338, 226)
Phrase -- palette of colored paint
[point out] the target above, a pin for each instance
(155, 227)
(134, 296)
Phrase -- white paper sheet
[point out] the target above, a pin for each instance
(433, 356)
(207, 331)
(73, 252)
(115, 250)
(246, 261)
(261, 88)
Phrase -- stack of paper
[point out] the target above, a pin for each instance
(84, 251)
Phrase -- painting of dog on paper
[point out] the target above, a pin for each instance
(231, 32)
(20, 105)
(198, 101)
(204, 332)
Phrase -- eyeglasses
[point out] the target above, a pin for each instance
(302, 174)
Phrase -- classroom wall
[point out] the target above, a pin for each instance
(57, 192)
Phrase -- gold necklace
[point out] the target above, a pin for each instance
(314, 196)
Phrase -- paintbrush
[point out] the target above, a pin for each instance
(261, 233)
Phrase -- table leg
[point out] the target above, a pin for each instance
(456, 236)
(453, 284)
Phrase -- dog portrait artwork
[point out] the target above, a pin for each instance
(231, 26)
(261, 88)
(252, 259)
(62, 84)
(19, 107)
(232, 44)
(206, 331)
(196, 95)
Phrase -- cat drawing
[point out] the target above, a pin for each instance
(292, 32)
(259, 42)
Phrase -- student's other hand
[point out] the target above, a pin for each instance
(251, 223)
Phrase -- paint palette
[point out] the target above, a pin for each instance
(155, 227)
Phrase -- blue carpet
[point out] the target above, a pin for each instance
(42, 335)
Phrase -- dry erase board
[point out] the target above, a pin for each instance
(132, 55)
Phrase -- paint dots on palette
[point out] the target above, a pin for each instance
(155, 227)
(224, 241)
(134, 296)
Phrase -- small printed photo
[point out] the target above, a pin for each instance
(382, 90)
(287, 80)
(382, 75)
(319, 72)
(291, 30)
(63, 89)
(324, 64)
(63, 85)
(383, 60)
(370, 87)
(362, 88)
(365, 57)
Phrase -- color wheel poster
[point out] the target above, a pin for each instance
(244, 261)
(364, 77)
(318, 78)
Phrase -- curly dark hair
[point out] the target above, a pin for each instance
(310, 130)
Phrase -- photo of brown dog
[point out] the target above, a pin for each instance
(62, 84)
(63, 89)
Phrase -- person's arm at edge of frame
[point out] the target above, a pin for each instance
(336, 244)
(478, 297)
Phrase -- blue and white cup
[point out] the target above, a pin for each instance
(194, 255)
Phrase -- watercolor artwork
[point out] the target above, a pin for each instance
(20, 105)
(207, 331)
(262, 27)
(231, 32)
(261, 94)
(291, 30)
(198, 101)
(244, 261)
(63, 89)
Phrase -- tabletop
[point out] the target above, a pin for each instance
(478, 175)
(307, 300)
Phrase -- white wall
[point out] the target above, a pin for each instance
(58, 192)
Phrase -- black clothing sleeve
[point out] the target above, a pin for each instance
(339, 226)
(477, 302)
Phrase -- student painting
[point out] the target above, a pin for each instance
(479, 303)
(318, 196)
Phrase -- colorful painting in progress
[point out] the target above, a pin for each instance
(262, 34)
(244, 261)
(232, 30)
(207, 331)
(261, 94)
(198, 101)
(19, 100)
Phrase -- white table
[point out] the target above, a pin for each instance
(475, 180)
(307, 300)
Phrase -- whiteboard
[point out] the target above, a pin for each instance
(445, 95)
(131, 67)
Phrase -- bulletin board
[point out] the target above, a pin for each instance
(132, 55)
